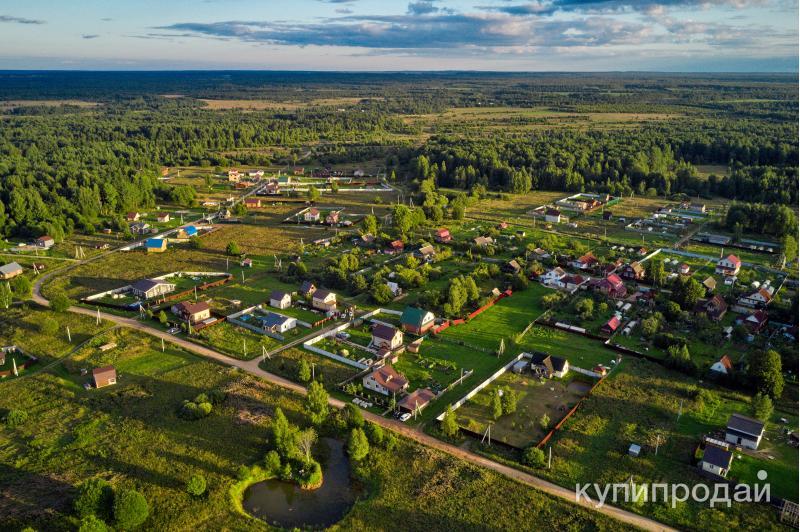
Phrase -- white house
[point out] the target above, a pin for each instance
(759, 298)
(744, 431)
(723, 365)
(386, 336)
(729, 265)
(280, 299)
(149, 288)
(716, 460)
(552, 216)
(552, 277)
(324, 300)
(386, 381)
(278, 323)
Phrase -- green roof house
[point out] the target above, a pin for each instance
(416, 320)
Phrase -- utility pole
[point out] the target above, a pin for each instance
(98, 316)
(244, 347)
(69, 336)
(162, 345)
(313, 372)
(549, 457)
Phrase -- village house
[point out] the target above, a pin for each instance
(187, 232)
(280, 299)
(512, 266)
(541, 254)
(246, 263)
(324, 300)
(502, 225)
(570, 283)
(156, 245)
(332, 218)
(311, 215)
(729, 266)
(298, 170)
(395, 288)
(552, 216)
(758, 299)
(234, 176)
(416, 320)
(252, 203)
(714, 308)
(10, 270)
(698, 208)
(105, 376)
(744, 431)
(45, 242)
(549, 366)
(163, 217)
(443, 236)
(150, 288)
(133, 216)
(272, 188)
(386, 381)
(612, 286)
(425, 253)
(483, 241)
(395, 246)
(633, 271)
(277, 323)
(416, 400)
(365, 240)
(192, 312)
(384, 336)
(140, 228)
(716, 460)
(710, 283)
(684, 269)
(755, 322)
(723, 365)
(257, 174)
(553, 277)
(611, 326)
(584, 262)
(307, 289)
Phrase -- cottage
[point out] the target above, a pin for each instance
(443, 236)
(756, 321)
(611, 326)
(549, 366)
(247, 263)
(541, 254)
(416, 320)
(384, 336)
(633, 271)
(553, 277)
(10, 270)
(277, 323)
(714, 308)
(234, 176)
(163, 217)
(252, 203)
(272, 188)
(395, 247)
(105, 376)
(512, 266)
(684, 269)
(324, 300)
(416, 400)
(332, 218)
(155, 245)
(395, 288)
(192, 312)
(502, 225)
(140, 228)
(426, 253)
(716, 460)
(723, 365)
(150, 288)
(552, 216)
(744, 431)
(311, 215)
(133, 216)
(280, 299)
(758, 299)
(45, 242)
(710, 283)
(365, 240)
(258, 174)
(612, 286)
(187, 231)
(307, 288)
(570, 283)
(386, 381)
(483, 241)
(584, 262)
(729, 266)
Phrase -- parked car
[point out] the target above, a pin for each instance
(405, 417)
(173, 330)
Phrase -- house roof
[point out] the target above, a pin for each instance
(190, 230)
(513, 264)
(717, 456)
(192, 308)
(483, 240)
(44, 238)
(313, 211)
(552, 363)
(278, 295)
(397, 244)
(442, 232)
(763, 292)
(552, 212)
(710, 283)
(426, 250)
(273, 319)
(413, 316)
(587, 258)
(155, 243)
(384, 332)
(636, 267)
(726, 362)
(322, 294)
(614, 279)
(104, 372)
(746, 425)
(389, 378)
(418, 398)
(733, 259)
(11, 267)
(144, 285)
(307, 286)
(759, 316)
(613, 323)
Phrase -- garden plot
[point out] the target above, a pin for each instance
(540, 406)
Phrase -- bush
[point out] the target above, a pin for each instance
(533, 456)
(92, 523)
(16, 417)
(272, 462)
(95, 497)
(357, 445)
(60, 302)
(196, 486)
(49, 327)
(130, 509)
(243, 472)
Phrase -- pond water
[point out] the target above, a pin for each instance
(285, 505)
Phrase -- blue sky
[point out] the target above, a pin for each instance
(527, 35)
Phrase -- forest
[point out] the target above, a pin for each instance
(80, 167)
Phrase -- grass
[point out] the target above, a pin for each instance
(579, 350)
(232, 340)
(131, 435)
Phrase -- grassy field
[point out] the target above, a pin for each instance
(579, 350)
(552, 397)
(131, 434)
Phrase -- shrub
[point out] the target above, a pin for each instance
(357, 445)
(130, 509)
(272, 462)
(92, 523)
(533, 456)
(196, 486)
(95, 497)
(16, 417)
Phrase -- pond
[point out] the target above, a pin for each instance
(285, 505)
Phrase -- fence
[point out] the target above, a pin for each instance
(568, 415)
(460, 321)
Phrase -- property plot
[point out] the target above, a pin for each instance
(551, 398)
(581, 351)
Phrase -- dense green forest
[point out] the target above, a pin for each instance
(74, 166)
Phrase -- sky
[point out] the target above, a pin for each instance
(391, 35)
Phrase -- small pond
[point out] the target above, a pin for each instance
(285, 505)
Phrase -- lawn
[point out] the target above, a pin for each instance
(236, 341)
(522, 428)
(579, 350)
